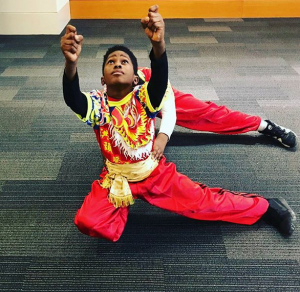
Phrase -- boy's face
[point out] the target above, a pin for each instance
(118, 70)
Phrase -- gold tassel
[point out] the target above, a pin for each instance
(116, 180)
(119, 193)
(118, 202)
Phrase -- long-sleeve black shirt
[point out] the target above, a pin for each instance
(157, 86)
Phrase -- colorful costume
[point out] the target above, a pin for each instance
(195, 114)
(125, 133)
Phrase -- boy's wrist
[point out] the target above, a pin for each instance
(158, 48)
(164, 137)
(70, 69)
(70, 64)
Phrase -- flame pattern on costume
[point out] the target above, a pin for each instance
(124, 128)
(131, 129)
(132, 124)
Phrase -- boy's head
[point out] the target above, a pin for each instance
(125, 50)
(119, 69)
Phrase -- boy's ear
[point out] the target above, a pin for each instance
(136, 80)
(102, 81)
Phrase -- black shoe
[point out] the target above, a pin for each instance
(281, 216)
(285, 136)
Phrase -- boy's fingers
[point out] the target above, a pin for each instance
(153, 8)
(78, 38)
(70, 28)
(145, 19)
(70, 43)
(156, 23)
(157, 155)
(155, 17)
(150, 24)
(69, 36)
(70, 49)
(73, 37)
(145, 22)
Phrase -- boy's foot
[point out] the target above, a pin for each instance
(285, 136)
(281, 216)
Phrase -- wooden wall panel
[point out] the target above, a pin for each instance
(271, 8)
(135, 9)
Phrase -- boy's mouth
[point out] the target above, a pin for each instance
(117, 73)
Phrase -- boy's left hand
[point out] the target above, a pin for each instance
(159, 146)
(154, 25)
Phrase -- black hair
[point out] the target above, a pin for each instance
(125, 50)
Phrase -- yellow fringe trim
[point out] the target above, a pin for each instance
(121, 202)
(118, 176)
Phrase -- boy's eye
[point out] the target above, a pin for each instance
(110, 62)
(125, 62)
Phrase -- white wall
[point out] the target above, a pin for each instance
(33, 16)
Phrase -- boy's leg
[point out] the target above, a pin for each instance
(99, 218)
(195, 114)
(198, 115)
(175, 192)
(170, 190)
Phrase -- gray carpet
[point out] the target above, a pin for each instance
(49, 160)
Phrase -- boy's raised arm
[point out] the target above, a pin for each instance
(154, 27)
(70, 45)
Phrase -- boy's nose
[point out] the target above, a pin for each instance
(118, 65)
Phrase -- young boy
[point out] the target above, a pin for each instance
(122, 116)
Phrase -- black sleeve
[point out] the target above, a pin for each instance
(159, 79)
(74, 98)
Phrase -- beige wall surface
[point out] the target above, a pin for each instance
(33, 16)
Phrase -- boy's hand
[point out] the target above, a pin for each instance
(159, 146)
(154, 25)
(70, 44)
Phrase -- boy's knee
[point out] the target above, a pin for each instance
(87, 225)
(84, 223)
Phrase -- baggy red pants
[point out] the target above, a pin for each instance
(170, 190)
(195, 114)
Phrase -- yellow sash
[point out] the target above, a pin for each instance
(118, 177)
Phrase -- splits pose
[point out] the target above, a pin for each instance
(122, 116)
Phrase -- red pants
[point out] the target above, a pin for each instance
(195, 114)
(169, 190)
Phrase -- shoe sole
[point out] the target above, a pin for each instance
(287, 226)
(285, 145)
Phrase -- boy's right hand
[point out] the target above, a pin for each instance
(154, 27)
(160, 144)
(70, 44)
